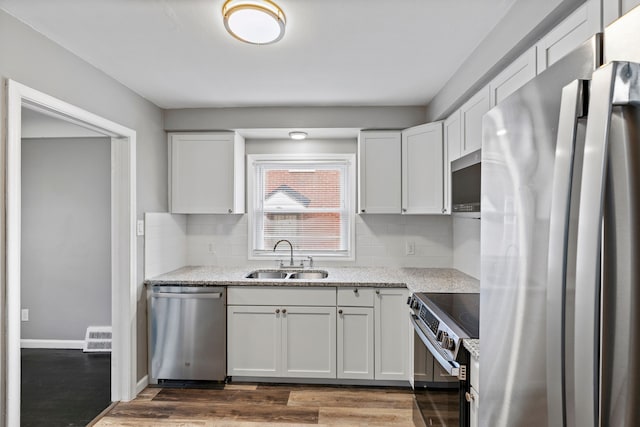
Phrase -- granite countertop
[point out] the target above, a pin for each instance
(473, 345)
(415, 279)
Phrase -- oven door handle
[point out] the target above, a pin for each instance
(452, 367)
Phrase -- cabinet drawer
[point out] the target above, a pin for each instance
(269, 295)
(355, 297)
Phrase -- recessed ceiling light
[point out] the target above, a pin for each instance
(254, 21)
(297, 135)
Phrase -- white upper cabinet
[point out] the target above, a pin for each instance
(614, 9)
(452, 146)
(206, 173)
(471, 114)
(422, 169)
(379, 171)
(569, 34)
(513, 77)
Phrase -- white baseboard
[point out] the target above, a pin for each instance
(59, 344)
(142, 384)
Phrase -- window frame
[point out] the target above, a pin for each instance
(350, 201)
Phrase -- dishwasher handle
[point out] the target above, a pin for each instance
(214, 295)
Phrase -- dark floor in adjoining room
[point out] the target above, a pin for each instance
(63, 387)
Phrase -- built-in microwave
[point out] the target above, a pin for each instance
(465, 185)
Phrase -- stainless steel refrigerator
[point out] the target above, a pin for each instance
(560, 279)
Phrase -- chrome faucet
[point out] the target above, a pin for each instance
(290, 245)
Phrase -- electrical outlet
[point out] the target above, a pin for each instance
(411, 248)
(24, 314)
(212, 248)
(140, 227)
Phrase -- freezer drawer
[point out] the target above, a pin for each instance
(187, 333)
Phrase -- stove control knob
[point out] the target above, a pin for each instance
(448, 344)
(442, 337)
(415, 304)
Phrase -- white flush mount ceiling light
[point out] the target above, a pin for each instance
(254, 21)
(298, 135)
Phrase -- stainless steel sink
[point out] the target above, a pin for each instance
(280, 274)
(267, 275)
(309, 275)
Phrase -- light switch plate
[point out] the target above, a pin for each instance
(24, 314)
(140, 227)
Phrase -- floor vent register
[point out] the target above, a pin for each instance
(97, 339)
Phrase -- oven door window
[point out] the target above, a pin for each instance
(437, 393)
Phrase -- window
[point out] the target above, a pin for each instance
(306, 200)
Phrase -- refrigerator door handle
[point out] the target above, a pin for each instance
(613, 84)
(572, 107)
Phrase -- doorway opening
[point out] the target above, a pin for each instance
(123, 241)
(65, 286)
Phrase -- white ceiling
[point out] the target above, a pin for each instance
(177, 54)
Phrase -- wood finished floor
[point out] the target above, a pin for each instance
(249, 405)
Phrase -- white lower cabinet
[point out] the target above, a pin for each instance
(309, 342)
(293, 336)
(275, 341)
(474, 396)
(391, 340)
(355, 342)
(254, 341)
(473, 408)
(344, 333)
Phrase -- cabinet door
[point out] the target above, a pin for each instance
(474, 419)
(471, 115)
(452, 147)
(513, 77)
(392, 331)
(206, 173)
(309, 342)
(379, 171)
(254, 341)
(422, 169)
(355, 342)
(568, 35)
(614, 9)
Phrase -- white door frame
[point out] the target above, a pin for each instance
(123, 240)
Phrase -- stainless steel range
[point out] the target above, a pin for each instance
(441, 322)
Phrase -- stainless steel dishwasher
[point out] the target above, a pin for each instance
(187, 333)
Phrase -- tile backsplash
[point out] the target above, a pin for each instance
(222, 240)
(165, 243)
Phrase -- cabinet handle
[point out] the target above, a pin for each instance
(284, 311)
(377, 291)
(363, 211)
(404, 209)
(444, 210)
(469, 397)
(355, 291)
(230, 210)
(277, 310)
(339, 311)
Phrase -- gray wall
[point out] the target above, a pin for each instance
(287, 146)
(33, 60)
(66, 236)
(525, 23)
(302, 117)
